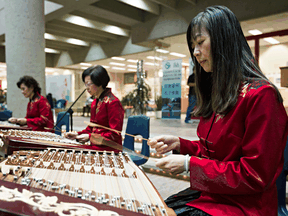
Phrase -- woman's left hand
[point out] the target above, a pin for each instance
(172, 164)
(22, 121)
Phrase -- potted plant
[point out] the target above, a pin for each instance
(158, 102)
(137, 100)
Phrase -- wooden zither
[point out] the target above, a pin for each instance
(77, 182)
(14, 140)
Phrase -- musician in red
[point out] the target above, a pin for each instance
(39, 115)
(106, 110)
(242, 130)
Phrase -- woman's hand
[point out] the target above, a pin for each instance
(70, 135)
(82, 138)
(172, 164)
(12, 120)
(22, 121)
(163, 144)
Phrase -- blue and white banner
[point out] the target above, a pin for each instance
(171, 89)
(59, 86)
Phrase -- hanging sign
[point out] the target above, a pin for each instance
(171, 89)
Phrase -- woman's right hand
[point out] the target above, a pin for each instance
(12, 120)
(165, 143)
(70, 135)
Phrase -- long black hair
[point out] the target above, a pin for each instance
(29, 81)
(233, 61)
(98, 74)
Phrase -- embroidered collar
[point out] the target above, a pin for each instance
(104, 93)
(35, 97)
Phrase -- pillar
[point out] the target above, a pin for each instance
(25, 44)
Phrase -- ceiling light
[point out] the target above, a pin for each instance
(115, 63)
(84, 68)
(48, 50)
(185, 64)
(118, 58)
(162, 51)
(133, 66)
(86, 64)
(3, 65)
(118, 68)
(150, 63)
(178, 54)
(255, 32)
(49, 69)
(132, 60)
(152, 57)
(134, 70)
(105, 66)
(271, 40)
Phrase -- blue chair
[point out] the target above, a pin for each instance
(64, 121)
(5, 115)
(61, 103)
(281, 186)
(138, 125)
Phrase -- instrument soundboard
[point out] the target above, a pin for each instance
(77, 182)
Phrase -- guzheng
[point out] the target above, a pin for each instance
(5, 125)
(14, 140)
(93, 182)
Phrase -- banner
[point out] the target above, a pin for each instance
(59, 86)
(171, 89)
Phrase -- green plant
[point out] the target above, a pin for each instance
(158, 102)
(138, 98)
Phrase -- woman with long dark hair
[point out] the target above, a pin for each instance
(39, 114)
(106, 110)
(242, 130)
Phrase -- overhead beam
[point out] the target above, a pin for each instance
(73, 41)
(62, 25)
(145, 5)
(116, 7)
(68, 6)
(129, 19)
(85, 37)
(80, 21)
(194, 2)
(172, 4)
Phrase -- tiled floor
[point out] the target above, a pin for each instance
(165, 185)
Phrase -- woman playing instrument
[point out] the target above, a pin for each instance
(39, 115)
(106, 110)
(242, 130)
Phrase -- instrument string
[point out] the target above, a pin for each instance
(123, 182)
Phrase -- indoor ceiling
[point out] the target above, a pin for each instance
(74, 24)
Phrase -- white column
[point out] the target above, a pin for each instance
(25, 55)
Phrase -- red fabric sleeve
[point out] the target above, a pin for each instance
(190, 147)
(262, 149)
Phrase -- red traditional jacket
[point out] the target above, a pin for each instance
(239, 156)
(39, 114)
(107, 111)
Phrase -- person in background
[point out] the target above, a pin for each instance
(87, 106)
(39, 115)
(242, 130)
(50, 100)
(2, 100)
(106, 110)
(191, 97)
